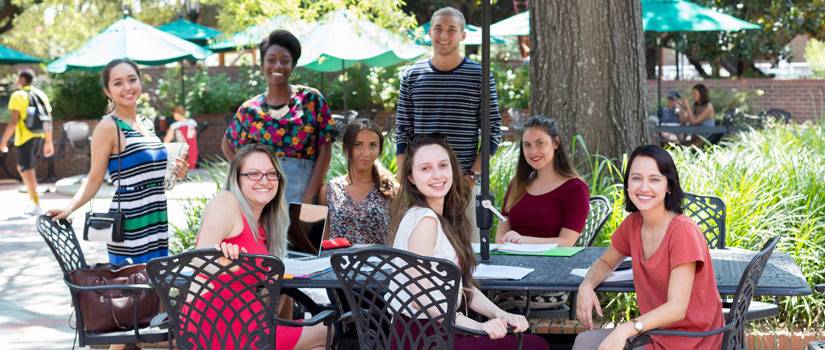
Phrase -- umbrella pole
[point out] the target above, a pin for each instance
(344, 90)
(659, 80)
(484, 219)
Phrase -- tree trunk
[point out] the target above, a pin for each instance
(588, 71)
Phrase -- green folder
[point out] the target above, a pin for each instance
(557, 251)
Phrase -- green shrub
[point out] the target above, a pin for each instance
(77, 95)
(815, 56)
(209, 93)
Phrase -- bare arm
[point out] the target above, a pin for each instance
(319, 171)
(599, 271)
(399, 166)
(674, 309)
(566, 238)
(216, 225)
(102, 145)
(170, 135)
(9, 131)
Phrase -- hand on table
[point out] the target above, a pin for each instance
(510, 237)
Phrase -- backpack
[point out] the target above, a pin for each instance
(37, 114)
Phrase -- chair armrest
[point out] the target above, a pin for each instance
(644, 338)
(322, 316)
(820, 287)
(468, 331)
(347, 316)
(110, 287)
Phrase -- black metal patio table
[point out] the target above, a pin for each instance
(782, 277)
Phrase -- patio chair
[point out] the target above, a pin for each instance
(709, 213)
(62, 241)
(209, 299)
(401, 300)
(600, 211)
(734, 329)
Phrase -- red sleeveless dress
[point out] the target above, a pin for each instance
(226, 332)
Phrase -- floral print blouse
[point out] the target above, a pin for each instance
(295, 130)
(364, 222)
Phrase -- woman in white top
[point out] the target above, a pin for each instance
(435, 225)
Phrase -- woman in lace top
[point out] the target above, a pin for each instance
(359, 201)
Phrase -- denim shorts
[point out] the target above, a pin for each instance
(298, 172)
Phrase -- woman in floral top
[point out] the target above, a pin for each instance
(294, 120)
(359, 201)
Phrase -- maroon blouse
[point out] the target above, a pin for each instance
(545, 215)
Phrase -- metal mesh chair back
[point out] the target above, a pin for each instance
(61, 239)
(709, 213)
(399, 300)
(735, 337)
(216, 303)
(600, 211)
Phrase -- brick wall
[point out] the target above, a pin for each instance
(804, 98)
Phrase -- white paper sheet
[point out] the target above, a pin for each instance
(306, 268)
(526, 247)
(616, 276)
(484, 271)
(477, 247)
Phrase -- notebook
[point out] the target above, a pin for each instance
(307, 229)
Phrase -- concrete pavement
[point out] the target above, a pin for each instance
(35, 305)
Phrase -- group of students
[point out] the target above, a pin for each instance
(279, 144)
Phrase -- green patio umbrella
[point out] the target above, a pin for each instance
(421, 36)
(132, 39)
(252, 36)
(191, 31)
(342, 40)
(518, 25)
(12, 56)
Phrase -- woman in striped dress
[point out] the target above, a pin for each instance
(140, 177)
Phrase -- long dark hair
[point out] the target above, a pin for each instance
(453, 221)
(666, 166)
(381, 177)
(525, 174)
(704, 95)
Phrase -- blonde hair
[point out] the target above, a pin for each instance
(274, 217)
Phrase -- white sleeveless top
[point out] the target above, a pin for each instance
(443, 250)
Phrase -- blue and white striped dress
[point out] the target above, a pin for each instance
(141, 195)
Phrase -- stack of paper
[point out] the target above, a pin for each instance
(616, 276)
(306, 268)
(525, 248)
(484, 271)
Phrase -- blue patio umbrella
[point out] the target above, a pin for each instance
(132, 39)
(12, 56)
(422, 37)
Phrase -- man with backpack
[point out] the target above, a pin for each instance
(30, 122)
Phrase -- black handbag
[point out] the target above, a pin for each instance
(107, 227)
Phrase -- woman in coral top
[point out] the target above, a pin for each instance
(672, 270)
(253, 197)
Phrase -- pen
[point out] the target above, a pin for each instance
(288, 276)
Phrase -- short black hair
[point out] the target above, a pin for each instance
(282, 38)
(666, 165)
(27, 74)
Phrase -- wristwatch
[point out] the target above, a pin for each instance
(638, 325)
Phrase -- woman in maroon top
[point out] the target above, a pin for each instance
(672, 270)
(546, 201)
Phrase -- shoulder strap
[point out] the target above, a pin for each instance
(119, 151)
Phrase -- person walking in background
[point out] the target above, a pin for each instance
(294, 120)
(359, 201)
(184, 130)
(435, 225)
(30, 133)
(672, 269)
(248, 216)
(443, 95)
(140, 179)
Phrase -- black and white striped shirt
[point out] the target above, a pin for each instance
(448, 103)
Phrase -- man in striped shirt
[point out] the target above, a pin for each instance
(443, 95)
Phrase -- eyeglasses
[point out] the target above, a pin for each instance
(257, 175)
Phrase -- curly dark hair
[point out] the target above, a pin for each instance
(282, 38)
